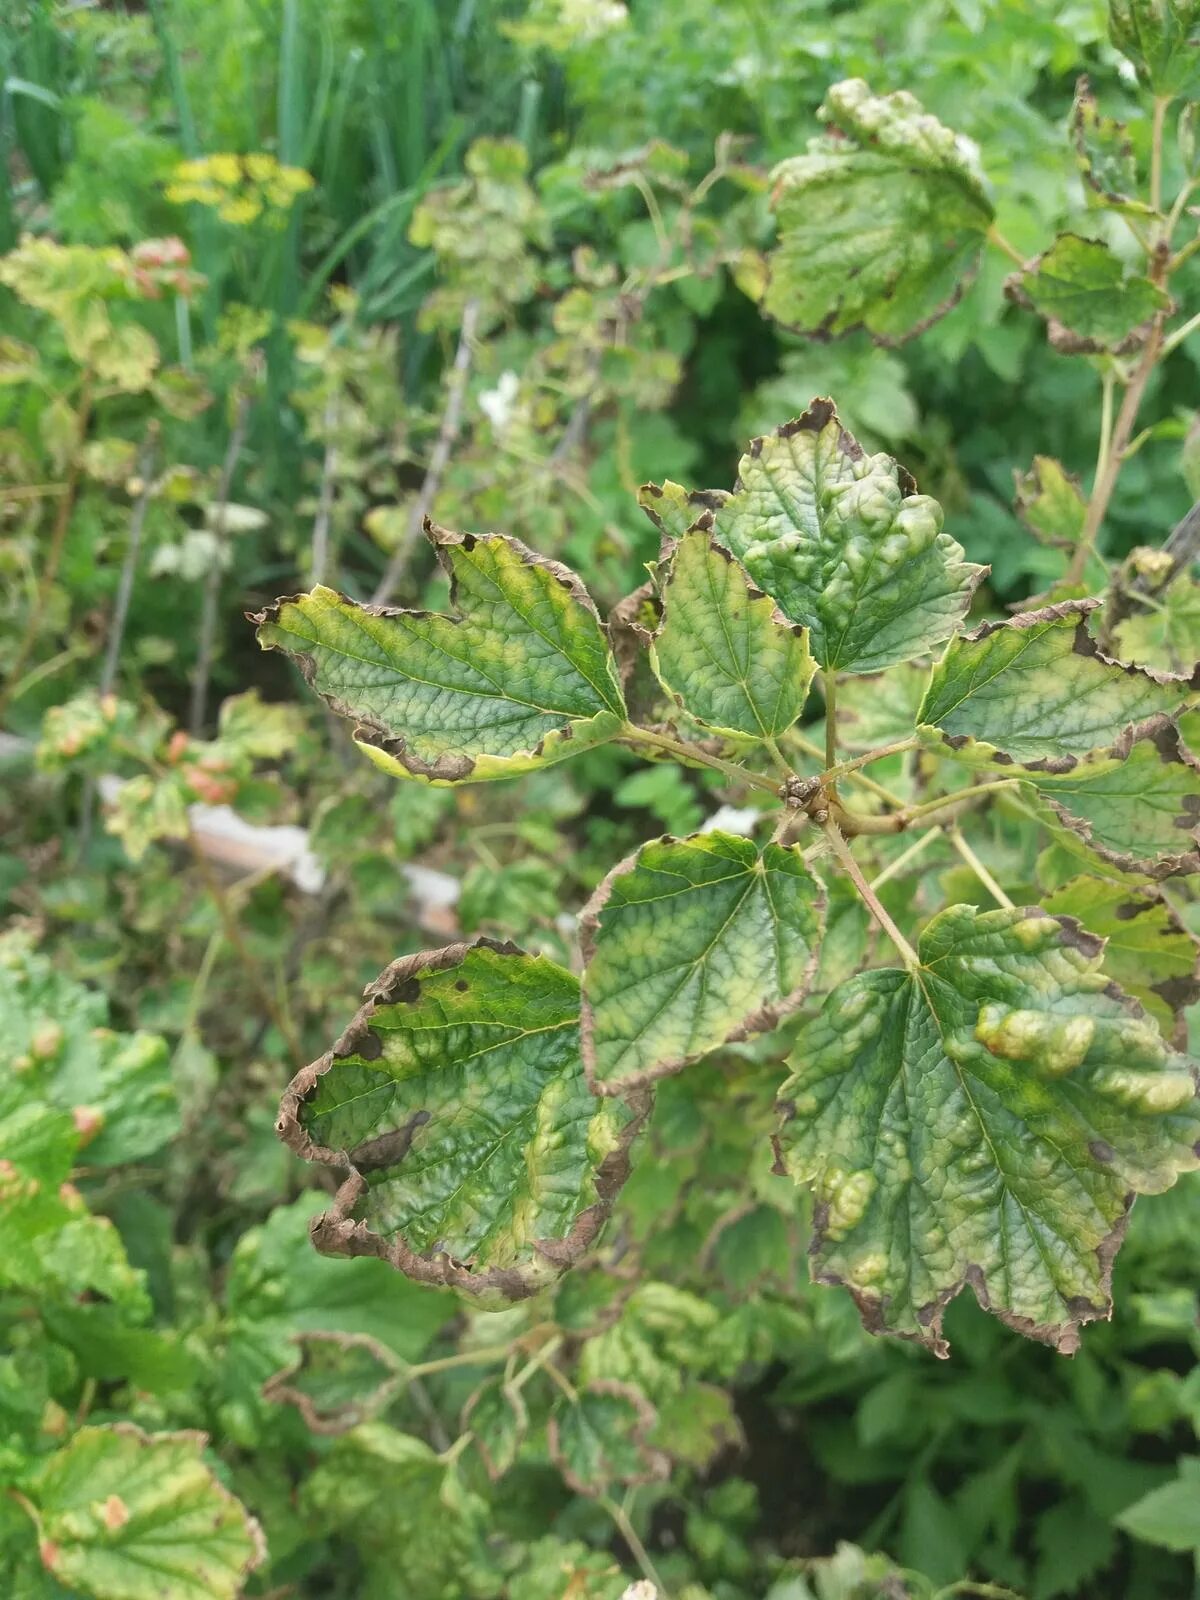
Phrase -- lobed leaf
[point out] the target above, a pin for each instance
(1081, 288)
(598, 1441)
(1161, 38)
(985, 1118)
(477, 1156)
(1147, 950)
(126, 1515)
(688, 944)
(336, 1380)
(1049, 501)
(1137, 804)
(1037, 690)
(1168, 637)
(844, 545)
(881, 221)
(520, 675)
(724, 651)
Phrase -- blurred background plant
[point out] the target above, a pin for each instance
(278, 279)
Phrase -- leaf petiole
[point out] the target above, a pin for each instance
(632, 734)
(868, 896)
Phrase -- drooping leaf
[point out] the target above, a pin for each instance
(124, 1514)
(1137, 804)
(1049, 501)
(844, 545)
(406, 1510)
(477, 1156)
(519, 675)
(1162, 39)
(983, 1119)
(336, 1381)
(1080, 286)
(881, 221)
(1104, 152)
(689, 943)
(598, 1441)
(1147, 949)
(1037, 690)
(724, 651)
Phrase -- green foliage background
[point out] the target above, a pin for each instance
(173, 1277)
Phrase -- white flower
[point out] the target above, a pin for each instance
(497, 404)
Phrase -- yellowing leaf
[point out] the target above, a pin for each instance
(1080, 286)
(983, 1119)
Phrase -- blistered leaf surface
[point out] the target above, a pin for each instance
(881, 221)
(478, 1156)
(724, 651)
(124, 1515)
(689, 943)
(983, 1120)
(844, 545)
(1039, 691)
(519, 675)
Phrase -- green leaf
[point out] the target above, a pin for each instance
(844, 545)
(881, 221)
(725, 653)
(1080, 287)
(391, 1495)
(672, 508)
(1137, 805)
(1168, 637)
(1169, 1516)
(1037, 690)
(1147, 950)
(477, 1156)
(123, 1514)
(598, 1441)
(1049, 501)
(520, 675)
(690, 943)
(1104, 152)
(496, 1416)
(983, 1119)
(1162, 39)
(336, 1380)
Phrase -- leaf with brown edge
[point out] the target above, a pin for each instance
(1038, 691)
(496, 1416)
(475, 1156)
(1137, 805)
(1090, 303)
(985, 1118)
(1049, 501)
(1104, 152)
(599, 1439)
(689, 944)
(519, 674)
(1147, 949)
(337, 1380)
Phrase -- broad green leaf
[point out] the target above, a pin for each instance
(1146, 948)
(518, 676)
(1167, 637)
(337, 1380)
(53, 1033)
(478, 1157)
(697, 1424)
(672, 508)
(1104, 152)
(983, 1119)
(1169, 1516)
(844, 545)
(598, 1441)
(1038, 691)
(1137, 805)
(126, 1515)
(690, 943)
(724, 651)
(1161, 38)
(1049, 501)
(881, 221)
(405, 1509)
(1080, 287)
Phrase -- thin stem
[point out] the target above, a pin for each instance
(1174, 340)
(465, 1358)
(868, 896)
(456, 391)
(962, 799)
(955, 836)
(561, 1381)
(58, 539)
(853, 823)
(1010, 250)
(690, 752)
(1108, 387)
(809, 747)
(636, 1548)
(906, 857)
(1161, 102)
(209, 608)
(777, 756)
(836, 771)
(1185, 254)
(829, 683)
(324, 516)
(116, 631)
